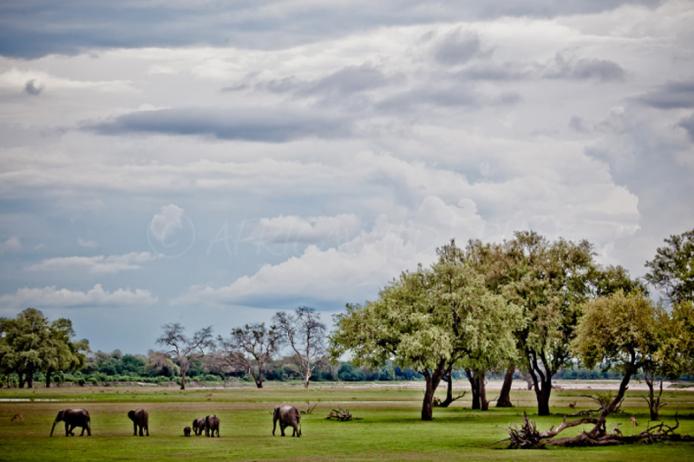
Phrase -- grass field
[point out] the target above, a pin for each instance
(387, 429)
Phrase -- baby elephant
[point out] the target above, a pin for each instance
(140, 419)
(211, 425)
(198, 426)
(186, 431)
(288, 416)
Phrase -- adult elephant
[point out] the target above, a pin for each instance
(73, 418)
(288, 416)
(212, 425)
(198, 426)
(140, 419)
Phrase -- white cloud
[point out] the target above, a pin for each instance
(53, 297)
(99, 264)
(36, 81)
(355, 269)
(167, 222)
(292, 228)
(12, 244)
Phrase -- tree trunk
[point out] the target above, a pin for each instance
(307, 378)
(505, 393)
(183, 380)
(432, 380)
(653, 400)
(48, 378)
(542, 393)
(479, 392)
(474, 388)
(30, 378)
(484, 404)
(20, 380)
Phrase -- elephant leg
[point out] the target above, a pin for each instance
(141, 431)
(83, 429)
(89, 429)
(147, 430)
(134, 429)
(282, 427)
(67, 429)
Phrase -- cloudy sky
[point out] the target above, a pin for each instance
(210, 164)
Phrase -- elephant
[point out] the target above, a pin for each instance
(198, 426)
(140, 419)
(73, 418)
(288, 416)
(211, 425)
(186, 431)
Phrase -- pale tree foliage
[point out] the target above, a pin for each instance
(482, 321)
(184, 349)
(674, 356)
(250, 348)
(305, 334)
(551, 282)
(672, 268)
(618, 330)
(29, 343)
(428, 320)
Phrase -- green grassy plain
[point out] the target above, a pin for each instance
(387, 429)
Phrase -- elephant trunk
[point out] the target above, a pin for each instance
(53, 427)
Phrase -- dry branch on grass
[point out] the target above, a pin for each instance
(527, 436)
(339, 414)
(309, 408)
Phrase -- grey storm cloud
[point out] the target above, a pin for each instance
(584, 68)
(672, 95)
(343, 82)
(457, 47)
(688, 124)
(34, 28)
(32, 87)
(251, 124)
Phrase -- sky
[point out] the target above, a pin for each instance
(211, 163)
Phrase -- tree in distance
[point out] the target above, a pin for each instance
(250, 348)
(183, 349)
(305, 334)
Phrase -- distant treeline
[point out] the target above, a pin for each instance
(103, 368)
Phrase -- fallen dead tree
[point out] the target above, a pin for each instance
(527, 436)
(340, 414)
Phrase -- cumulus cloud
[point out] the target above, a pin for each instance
(99, 264)
(167, 222)
(53, 297)
(272, 125)
(246, 25)
(456, 47)
(11, 244)
(33, 82)
(584, 68)
(354, 270)
(292, 228)
(672, 95)
(688, 125)
(33, 87)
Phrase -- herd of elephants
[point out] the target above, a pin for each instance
(285, 414)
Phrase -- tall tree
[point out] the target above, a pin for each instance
(487, 332)
(305, 334)
(672, 268)
(617, 331)
(59, 353)
(552, 283)
(185, 349)
(251, 348)
(427, 320)
(30, 343)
